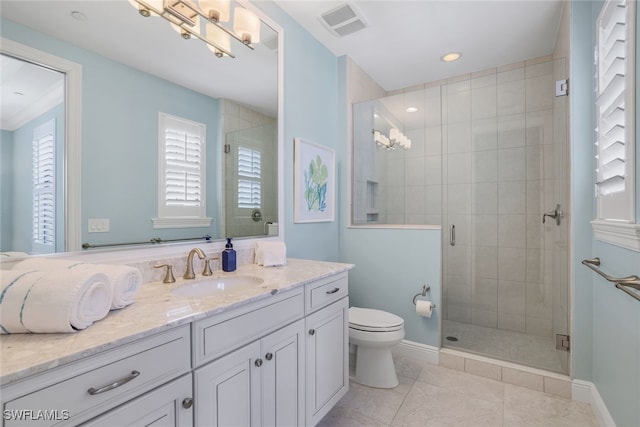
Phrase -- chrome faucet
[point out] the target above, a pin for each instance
(189, 274)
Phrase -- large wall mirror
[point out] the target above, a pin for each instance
(143, 85)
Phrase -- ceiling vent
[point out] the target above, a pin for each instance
(342, 21)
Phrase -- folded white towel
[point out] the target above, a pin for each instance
(270, 253)
(125, 280)
(52, 301)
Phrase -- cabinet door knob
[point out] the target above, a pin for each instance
(268, 356)
(259, 362)
(187, 403)
(312, 331)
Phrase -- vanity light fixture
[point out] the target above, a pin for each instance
(450, 57)
(204, 21)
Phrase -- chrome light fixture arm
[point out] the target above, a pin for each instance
(171, 13)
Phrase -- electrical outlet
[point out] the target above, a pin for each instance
(98, 225)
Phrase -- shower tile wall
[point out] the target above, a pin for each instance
(498, 160)
(242, 125)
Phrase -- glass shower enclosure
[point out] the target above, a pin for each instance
(488, 161)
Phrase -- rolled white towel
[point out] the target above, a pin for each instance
(125, 280)
(52, 301)
(270, 253)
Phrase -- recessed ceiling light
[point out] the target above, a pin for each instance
(376, 115)
(79, 16)
(411, 109)
(450, 57)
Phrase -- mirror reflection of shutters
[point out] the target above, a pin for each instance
(44, 184)
(183, 159)
(249, 178)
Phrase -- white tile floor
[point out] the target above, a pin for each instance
(530, 350)
(430, 395)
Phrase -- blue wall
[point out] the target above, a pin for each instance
(311, 112)
(606, 320)
(120, 138)
(391, 266)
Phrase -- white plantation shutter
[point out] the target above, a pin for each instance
(183, 172)
(182, 168)
(615, 101)
(249, 178)
(44, 184)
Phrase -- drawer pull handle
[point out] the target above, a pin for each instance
(312, 331)
(333, 291)
(187, 403)
(122, 381)
(268, 356)
(258, 362)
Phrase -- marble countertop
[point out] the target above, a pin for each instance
(156, 309)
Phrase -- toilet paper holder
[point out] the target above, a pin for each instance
(425, 289)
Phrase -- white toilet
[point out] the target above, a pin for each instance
(374, 332)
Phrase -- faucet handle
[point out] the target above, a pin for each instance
(207, 266)
(168, 274)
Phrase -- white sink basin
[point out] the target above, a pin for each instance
(215, 285)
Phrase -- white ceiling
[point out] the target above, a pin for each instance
(404, 40)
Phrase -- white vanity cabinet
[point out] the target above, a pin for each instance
(79, 391)
(260, 384)
(166, 406)
(280, 359)
(327, 346)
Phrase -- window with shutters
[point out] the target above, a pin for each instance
(182, 172)
(249, 178)
(615, 127)
(43, 189)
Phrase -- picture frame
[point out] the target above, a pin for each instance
(314, 182)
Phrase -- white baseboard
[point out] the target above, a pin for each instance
(585, 391)
(414, 350)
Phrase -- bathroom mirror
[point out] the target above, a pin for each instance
(133, 69)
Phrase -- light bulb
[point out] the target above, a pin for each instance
(216, 10)
(246, 25)
(218, 37)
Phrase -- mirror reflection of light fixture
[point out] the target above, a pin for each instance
(185, 16)
(391, 142)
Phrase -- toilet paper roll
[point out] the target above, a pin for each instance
(424, 308)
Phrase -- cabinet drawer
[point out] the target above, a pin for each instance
(219, 335)
(325, 291)
(92, 386)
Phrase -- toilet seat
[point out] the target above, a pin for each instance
(370, 320)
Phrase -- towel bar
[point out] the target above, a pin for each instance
(154, 240)
(621, 283)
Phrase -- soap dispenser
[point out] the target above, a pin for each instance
(229, 257)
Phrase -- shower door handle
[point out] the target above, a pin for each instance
(555, 214)
(452, 234)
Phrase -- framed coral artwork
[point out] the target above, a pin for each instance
(314, 182)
